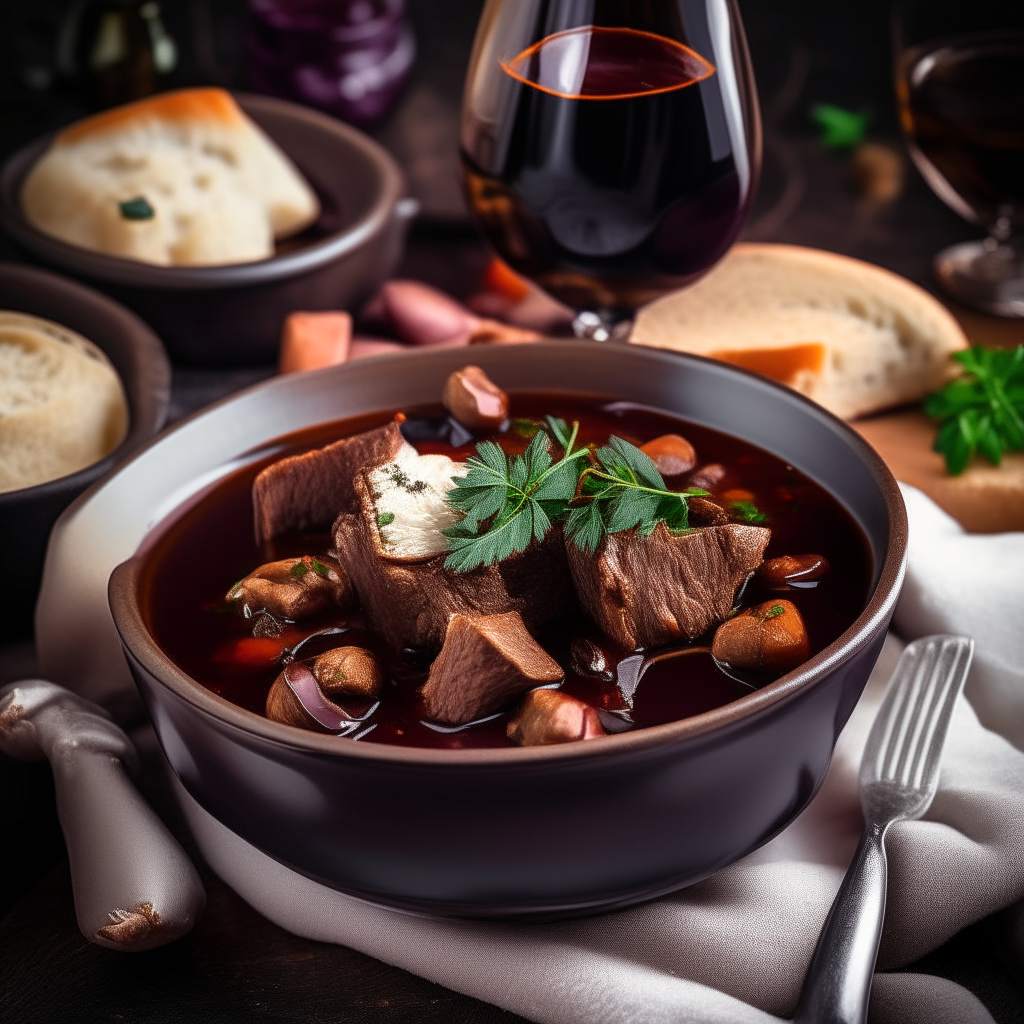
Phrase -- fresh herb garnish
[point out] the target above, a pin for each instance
(385, 518)
(320, 569)
(775, 611)
(298, 570)
(518, 497)
(526, 428)
(625, 490)
(137, 209)
(982, 411)
(747, 512)
(510, 501)
(840, 129)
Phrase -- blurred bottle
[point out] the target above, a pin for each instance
(347, 57)
(116, 50)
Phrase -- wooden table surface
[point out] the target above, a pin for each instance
(235, 966)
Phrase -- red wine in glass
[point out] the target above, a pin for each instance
(610, 163)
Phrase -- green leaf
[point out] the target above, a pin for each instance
(640, 463)
(748, 512)
(585, 527)
(298, 570)
(839, 128)
(137, 209)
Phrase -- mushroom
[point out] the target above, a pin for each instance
(672, 454)
(349, 672)
(708, 477)
(550, 716)
(475, 400)
(770, 637)
(791, 571)
(294, 588)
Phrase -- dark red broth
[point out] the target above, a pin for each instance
(196, 556)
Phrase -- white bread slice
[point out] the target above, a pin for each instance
(220, 189)
(62, 406)
(850, 335)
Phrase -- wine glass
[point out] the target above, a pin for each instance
(960, 89)
(610, 148)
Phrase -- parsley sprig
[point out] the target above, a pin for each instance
(509, 501)
(517, 496)
(625, 490)
(982, 411)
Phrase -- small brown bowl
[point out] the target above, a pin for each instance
(27, 515)
(232, 315)
(522, 832)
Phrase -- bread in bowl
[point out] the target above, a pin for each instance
(183, 178)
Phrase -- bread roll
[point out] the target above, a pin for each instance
(218, 189)
(849, 335)
(62, 406)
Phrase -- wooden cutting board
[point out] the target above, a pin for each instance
(985, 498)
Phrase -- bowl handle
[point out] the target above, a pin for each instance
(134, 886)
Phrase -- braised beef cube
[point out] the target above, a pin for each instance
(647, 591)
(295, 588)
(706, 513)
(792, 571)
(550, 716)
(409, 602)
(309, 490)
(485, 662)
(349, 672)
(771, 637)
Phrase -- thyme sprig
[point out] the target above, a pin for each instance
(509, 501)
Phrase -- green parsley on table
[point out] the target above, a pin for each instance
(982, 411)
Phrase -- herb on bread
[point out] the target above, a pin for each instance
(137, 209)
(982, 411)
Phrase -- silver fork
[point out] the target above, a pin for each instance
(898, 778)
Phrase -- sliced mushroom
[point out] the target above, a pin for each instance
(283, 706)
(770, 637)
(550, 716)
(475, 400)
(790, 571)
(672, 454)
(295, 588)
(708, 477)
(349, 671)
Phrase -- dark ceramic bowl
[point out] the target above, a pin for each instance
(544, 830)
(230, 315)
(28, 515)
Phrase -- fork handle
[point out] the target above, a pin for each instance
(838, 982)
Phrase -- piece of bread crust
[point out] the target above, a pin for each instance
(62, 405)
(220, 190)
(850, 335)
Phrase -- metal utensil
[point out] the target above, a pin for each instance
(898, 778)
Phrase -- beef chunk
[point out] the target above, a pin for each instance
(310, 490)
(283, 706)
(550, 716)
(409, 603)
(485, 662)
(295, 588)
(646, 591)
(706, 513)
(770, 637)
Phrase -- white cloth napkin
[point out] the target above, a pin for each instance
(734, 949)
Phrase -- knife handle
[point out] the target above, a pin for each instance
(134, 886)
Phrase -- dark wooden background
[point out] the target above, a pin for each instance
(235, 966)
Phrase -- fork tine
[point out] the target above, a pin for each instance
(906, 743)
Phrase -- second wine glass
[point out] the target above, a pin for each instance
(610, 149)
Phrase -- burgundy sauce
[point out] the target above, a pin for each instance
(195, 557)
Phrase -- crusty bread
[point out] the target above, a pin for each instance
(62, 406)
(984, 498)
(848, 334)
(219, 188)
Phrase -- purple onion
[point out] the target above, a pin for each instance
(347, 57)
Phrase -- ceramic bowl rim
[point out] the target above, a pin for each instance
(137, 274)
(135, 637)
